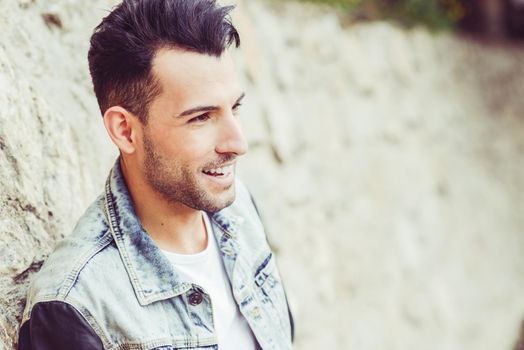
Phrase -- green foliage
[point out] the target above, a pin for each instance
(436, 14)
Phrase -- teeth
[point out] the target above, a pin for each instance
(223, 170)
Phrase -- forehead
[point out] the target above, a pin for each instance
(188, 77)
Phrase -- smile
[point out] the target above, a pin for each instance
(223, 171)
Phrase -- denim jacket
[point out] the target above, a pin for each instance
(108, 286)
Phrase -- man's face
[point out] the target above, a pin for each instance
(193, 135)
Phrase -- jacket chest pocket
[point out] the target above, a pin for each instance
(270, 294)
(265, 276)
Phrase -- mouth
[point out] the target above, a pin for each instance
(223, 171)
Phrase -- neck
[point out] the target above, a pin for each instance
(174, 227)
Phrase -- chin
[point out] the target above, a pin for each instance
(217, 204)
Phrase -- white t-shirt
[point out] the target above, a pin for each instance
(206, 269)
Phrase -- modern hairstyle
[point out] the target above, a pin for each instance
(124, 44)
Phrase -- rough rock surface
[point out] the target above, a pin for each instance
(53, 153)
(387, 164)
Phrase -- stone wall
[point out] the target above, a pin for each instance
(53, 152)
(387, 164)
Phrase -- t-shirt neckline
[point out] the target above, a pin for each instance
(188, 259)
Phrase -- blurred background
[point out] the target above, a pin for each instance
(386, 155)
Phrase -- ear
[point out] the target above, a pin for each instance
(122, 127)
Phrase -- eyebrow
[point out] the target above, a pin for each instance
(206, 108)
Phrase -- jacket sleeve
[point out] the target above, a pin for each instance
(55, 325)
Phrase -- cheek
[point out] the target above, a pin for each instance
(189, 146)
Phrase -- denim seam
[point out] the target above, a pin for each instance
(222, 228)
(81, 262)
(110, 212)
(91, 320)
(113, 226)
(176, 342)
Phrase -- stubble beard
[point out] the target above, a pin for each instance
(178, 183)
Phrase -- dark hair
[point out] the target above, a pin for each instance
(125, 42)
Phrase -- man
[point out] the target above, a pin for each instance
(172, 255)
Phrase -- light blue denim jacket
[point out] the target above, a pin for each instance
(114, 275)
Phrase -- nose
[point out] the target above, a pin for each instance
(231, 139)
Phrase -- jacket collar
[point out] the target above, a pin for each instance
(150, 272)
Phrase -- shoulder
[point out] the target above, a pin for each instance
(72, 257)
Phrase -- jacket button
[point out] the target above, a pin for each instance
(195, 298)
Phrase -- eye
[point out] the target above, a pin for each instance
(236, 107)
(200, 118)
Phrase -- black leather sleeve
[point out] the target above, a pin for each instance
(56, 325)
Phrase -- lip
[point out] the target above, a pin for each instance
(223, 165)
(222, 180)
